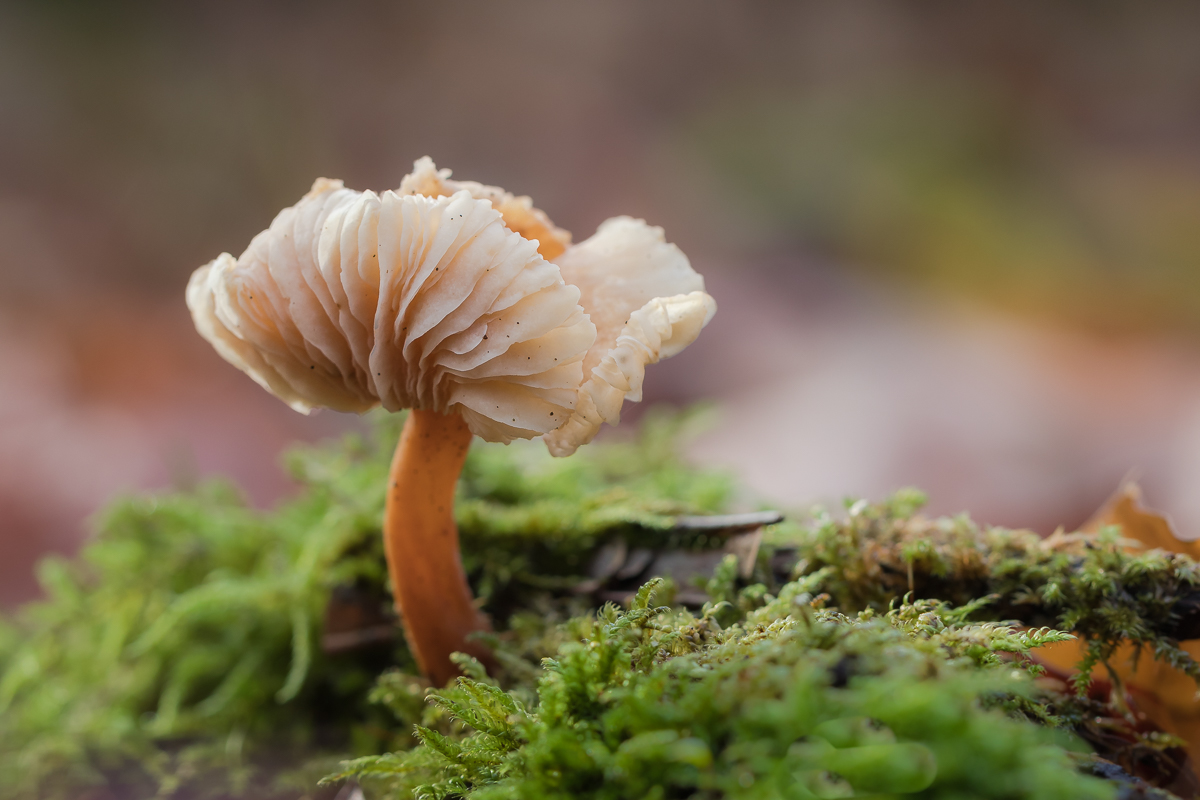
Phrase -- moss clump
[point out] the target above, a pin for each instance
(1089, 585)
(200, 648)
(181, 651)
(790, 702)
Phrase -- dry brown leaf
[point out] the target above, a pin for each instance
(1151, 529)
(1167, 695)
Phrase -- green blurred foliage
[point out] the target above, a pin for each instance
(964, 186)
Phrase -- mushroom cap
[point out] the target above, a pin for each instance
(518, 212)
(350, 300)
(440, 296)
(647, 304)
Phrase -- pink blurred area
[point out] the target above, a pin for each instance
(106, 395)
(953, 246)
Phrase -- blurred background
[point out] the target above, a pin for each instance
(955, 246)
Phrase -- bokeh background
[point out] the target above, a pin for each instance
(954, 245)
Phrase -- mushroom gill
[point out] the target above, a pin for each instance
(351, 300)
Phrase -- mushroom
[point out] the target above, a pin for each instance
(468, 306)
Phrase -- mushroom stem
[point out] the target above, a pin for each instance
(421, 543)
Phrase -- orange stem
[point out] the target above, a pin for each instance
(421, 543)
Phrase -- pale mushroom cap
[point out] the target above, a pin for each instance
(350, 300)
(647, 304)
(518, 212)
(440, 296)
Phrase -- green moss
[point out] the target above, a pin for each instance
(792, 702)
(185, 652)
(1090, 586)
(180, 650)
